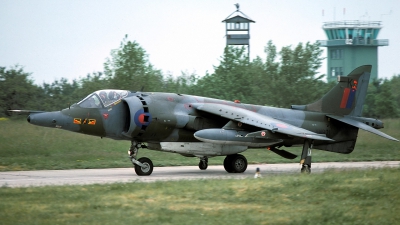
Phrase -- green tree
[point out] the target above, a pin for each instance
(230, 79)
(294, 80)
(128, 68)
(91, 83)
(263, 76)
(257, 93)
(59, 94)
(17, 91)
(385, 102)
(381, 99)
(285, 78)
(394, 87)
(182, 84)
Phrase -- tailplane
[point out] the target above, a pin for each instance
(344, 103)
(347, 97)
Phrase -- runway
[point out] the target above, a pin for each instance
(114, 175)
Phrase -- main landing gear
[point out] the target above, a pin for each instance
(235, 163)
(143, 166)
(306, 156)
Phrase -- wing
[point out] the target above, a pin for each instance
(258, 120)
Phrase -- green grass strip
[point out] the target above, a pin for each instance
(334, 197)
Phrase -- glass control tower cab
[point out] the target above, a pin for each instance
(352, 43)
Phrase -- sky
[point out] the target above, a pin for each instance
(54, 39)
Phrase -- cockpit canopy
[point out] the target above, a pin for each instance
(102, 98)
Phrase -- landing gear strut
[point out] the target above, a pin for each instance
(306, 156)
(143, 166)
(235, 163)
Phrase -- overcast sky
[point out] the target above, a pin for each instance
(53, 38)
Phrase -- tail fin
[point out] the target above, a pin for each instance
(347, 97)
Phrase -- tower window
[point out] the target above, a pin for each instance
(336, 71)
(336, 53)
(237, 26)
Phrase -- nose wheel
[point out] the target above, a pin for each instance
(146, 167)
(143, 166)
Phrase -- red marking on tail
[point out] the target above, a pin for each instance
(345, 97)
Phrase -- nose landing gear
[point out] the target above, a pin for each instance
(143, 166)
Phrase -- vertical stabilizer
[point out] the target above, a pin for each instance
(347, 97)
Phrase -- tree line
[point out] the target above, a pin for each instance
(282, 78)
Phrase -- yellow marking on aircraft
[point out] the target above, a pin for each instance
(115, 103)
(92, 122)
(77, 120)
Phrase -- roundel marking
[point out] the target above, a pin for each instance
(142, 118)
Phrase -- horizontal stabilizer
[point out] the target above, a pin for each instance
(360, 125)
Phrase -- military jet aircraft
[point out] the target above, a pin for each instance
(202, 127)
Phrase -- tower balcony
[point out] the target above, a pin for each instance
(354, 42)
(237, 39)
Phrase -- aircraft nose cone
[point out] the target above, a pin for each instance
(47, 119)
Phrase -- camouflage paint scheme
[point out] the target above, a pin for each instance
(204, 127)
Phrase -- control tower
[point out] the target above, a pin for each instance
(352, 43)
(238, 29)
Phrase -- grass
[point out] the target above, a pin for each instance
(333, 197)
(27, 147)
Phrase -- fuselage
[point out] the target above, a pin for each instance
(169, 117)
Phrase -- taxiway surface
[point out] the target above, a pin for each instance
(113, 175)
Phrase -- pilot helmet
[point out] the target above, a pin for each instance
(113, 95)
(103, 95)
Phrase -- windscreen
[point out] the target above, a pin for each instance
(102, 98)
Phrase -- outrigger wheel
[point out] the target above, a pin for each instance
(306, 169)
(203, 164)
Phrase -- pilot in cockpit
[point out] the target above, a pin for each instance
(103, 96)
(113, 96)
